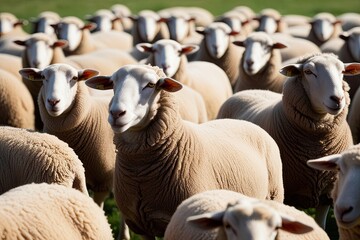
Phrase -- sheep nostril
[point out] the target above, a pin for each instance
(117, 114)
(53, 102)
(345, 211)
(249, 62)
(336, 99)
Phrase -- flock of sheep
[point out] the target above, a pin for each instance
(202, 126)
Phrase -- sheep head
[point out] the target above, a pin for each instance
(248, 219)
(59, 85)
(136, 91)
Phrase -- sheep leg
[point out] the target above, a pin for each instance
(99, 198)
(321, 212)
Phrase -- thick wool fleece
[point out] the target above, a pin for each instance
(354, 118)
(28, 156)
(50, 211)
(268, 78)
(85, 128)
(16, 104)
(169, 160)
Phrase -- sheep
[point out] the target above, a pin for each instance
(224, 214)
(216, 47)
(260, 63)
(238, 23)
(123, 12)
(270, 21)
(307, 121)
(202, 17)
(349, 20)
(105, 21)
(11, 64)
(354, 117)
(347, 48)
(10, 29)
(292, 20)
(42, 23)
(70, 113)
(248, 13)
(28, 156)
(345, 194)
(51, 211)
(16, 105)
(162, 160)
(206, 78)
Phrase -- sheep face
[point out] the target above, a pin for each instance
(136, 89)
(6, 25)
(43, 25)
(147, 25)
(59, 85)
(103, 19)
(248, 219)
(352, 38)
(234, 23)
(268, 24)
(346, 193)
(217, 39)
(179, 27)
(323, 29)
(70, 32)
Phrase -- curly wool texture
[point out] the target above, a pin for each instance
(169, 160)
(85, 128)
(300, 133)
(16, 105)
(28, 156)
(51, 211)
(218, 200)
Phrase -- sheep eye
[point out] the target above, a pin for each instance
(227, 226)
(149, 85)
(42, 77)
(307, 71)
(75, 78)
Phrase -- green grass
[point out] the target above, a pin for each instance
(29, 8)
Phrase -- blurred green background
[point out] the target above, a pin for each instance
(29, 8)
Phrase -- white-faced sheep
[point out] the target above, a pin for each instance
(216, 47)
(349, 20)
(307, 121)
(105, 21)
(270, 21)
(205, 77)
(42, 23)
(11, 29)
(162, 160)
(51, 211)
(248, 13)
(238, 23)
(123, 12)
(224, 214)
(354, 117)
(16, 105)
(260, 63)
(28, 156)
(346, 194)
(347, 48)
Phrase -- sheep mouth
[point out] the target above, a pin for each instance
(334, 110)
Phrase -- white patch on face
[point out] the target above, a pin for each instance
(354, 45)
(323, 30)
(44, 26)
(217, 42)
(178, 28)
(39, 54)
(58, 87)
(103, 23)
(167, 57)
(72, 34)
(234, 24)
(256, 57)
(6, 26)
(147, 28)
(268, 25)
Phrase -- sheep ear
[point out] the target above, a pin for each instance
(325, 163)
(91, 26)
(279, 45)
(100, 82)
(344, 36)
(351, 69)
(86, 74)
(291, 70)
(163, 20)
(32, 74)
(21, 22)
(145, 47)
(187, 49)
(168, 84)
(20, 42)
(291, 225)
(200, 30)
(60, 43)
(207, 221)
(239, 43)
(337, 21)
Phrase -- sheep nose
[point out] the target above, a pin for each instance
(249, 62)
(117, 113)
(343, 210)
(53, 102)
(336, 99)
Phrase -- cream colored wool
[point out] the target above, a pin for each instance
(11, 64)
(16, 105)
(218, 200)
(354, 117)
(28, 156)
(301, 134)
(165, 160)
(86, 130)
(50, 211)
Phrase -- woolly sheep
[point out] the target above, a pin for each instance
(238, 23)
(249, 13)
(10, 29)
(307, 121)
(51, 211)
(16, 105)
(224, 214)
(260, 63)
(11, 64)
(105, 21)
(354, 117)
(347, 48)
(295, 20)
(216, 47)
(28, 156)
(349, 20)
(42, 23)
(346, 195)
(123, 12)
(206, 78)
(270, 21)
(162, 160)
(201, 16)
